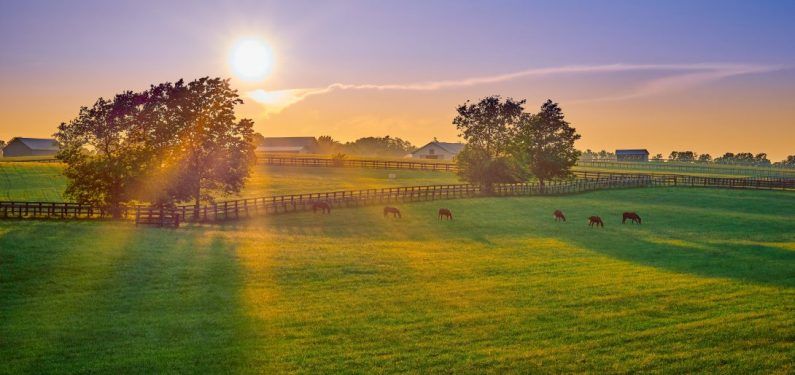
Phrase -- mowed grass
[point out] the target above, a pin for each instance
(706, 284)
(31, 181)
(44, 181)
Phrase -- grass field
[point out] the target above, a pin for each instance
(31, 181)
(706, 284)
(44, 182)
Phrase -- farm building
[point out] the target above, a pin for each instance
(632, 155)
(287, 145)
(19, 146)
(438, 150)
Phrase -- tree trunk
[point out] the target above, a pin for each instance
(487, 188)
(197, 204)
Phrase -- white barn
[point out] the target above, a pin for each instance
(438, 150)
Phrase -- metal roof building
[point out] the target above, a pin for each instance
(20, 146)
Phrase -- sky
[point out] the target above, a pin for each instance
(707, 76)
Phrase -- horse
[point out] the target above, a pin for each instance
(595, 220)
(559, 215)
(631, 216)
(323, 206)
(392, 210)
(444, 212)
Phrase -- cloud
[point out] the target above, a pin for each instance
(684, 75)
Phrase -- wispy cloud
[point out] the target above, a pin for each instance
(682, 76)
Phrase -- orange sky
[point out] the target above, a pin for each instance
(657, 75)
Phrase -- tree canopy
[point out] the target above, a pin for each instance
(489, 127)
(171, 143)
(545, 143)
(505, 144)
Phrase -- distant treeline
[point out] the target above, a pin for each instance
(740, 158)
(366, 146)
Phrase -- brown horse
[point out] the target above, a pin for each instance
(444, 212)
(392, 210)
(324, 207)
(631, 216)
(559, 215)
(595, 220)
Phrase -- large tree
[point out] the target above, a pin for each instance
(174, 142)
(545, 143)
(489, 127)
(213, 150)
(101, 164)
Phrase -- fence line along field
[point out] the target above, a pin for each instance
(44, 181)
(705, 283)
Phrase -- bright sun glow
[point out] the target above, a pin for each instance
(251, 60)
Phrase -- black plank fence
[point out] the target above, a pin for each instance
(290, 161)
(243, 208)
(673, 167)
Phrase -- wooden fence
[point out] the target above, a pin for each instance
(243, 208)
(674, 167)
(157, 216)
(695, 167)
(56, 210)
(356, 163)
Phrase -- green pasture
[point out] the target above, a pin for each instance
(44, 182)
(706, 284)
(31, 181)
(694, 169)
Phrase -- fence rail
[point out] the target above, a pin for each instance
(60, 210)
(725, 169)
(243, 208)
(695, 167)
(356, 163)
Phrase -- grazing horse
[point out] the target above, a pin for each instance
(444, 212)
(323, 206)
(392, 210)
(559, 215)
(595, 220)
(631, 216)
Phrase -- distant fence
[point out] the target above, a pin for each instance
(356, 163)
(28, 160)
(704, 168)
(244, 208)
(695, 167)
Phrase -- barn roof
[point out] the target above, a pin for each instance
(280, 149)
(273, 142)
(637, 151)
(453, 148)
(38, 144)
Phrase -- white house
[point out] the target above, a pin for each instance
(438, 150)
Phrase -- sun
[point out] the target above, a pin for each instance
(251, 59)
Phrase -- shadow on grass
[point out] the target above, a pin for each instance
(741, 235)
(108, 297)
